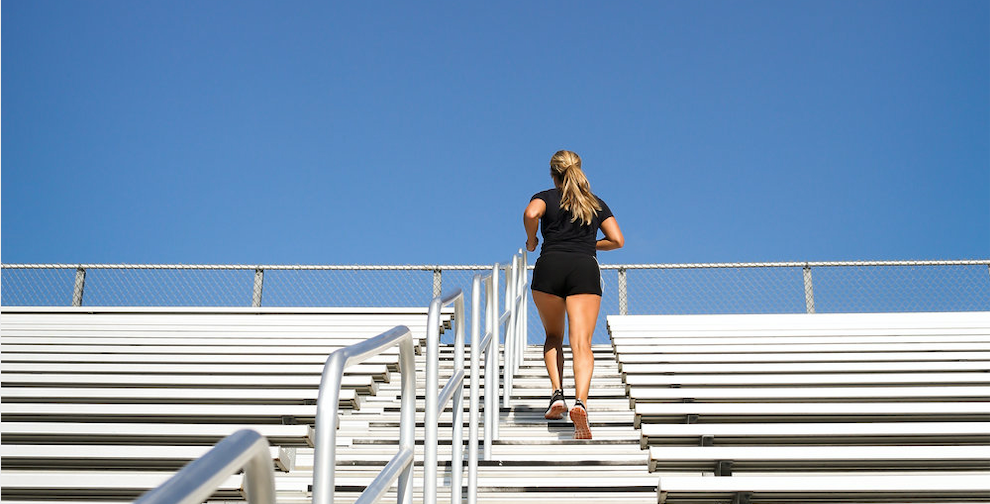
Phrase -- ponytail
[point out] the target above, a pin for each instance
(575, 189)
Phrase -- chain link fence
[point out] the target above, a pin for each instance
(820, 287)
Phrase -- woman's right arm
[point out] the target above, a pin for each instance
(531, 221)
(613, 236)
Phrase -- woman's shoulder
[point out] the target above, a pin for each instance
(606, 212)
(552, 194)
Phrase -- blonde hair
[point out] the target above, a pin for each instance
(575, 189)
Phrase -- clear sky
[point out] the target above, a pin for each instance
(416, 132)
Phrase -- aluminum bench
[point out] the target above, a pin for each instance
(807, 488)
(810, 433)
(739, 348)
(74, 484)
(726, 460)
(805, 380)
(148, 434)
(144, 412)
(362, 384)
(115, 457)
(709, 358)
(810, 412)
(639, 395)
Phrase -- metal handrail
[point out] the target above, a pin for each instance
(488, 345)
(196, 482)
(515, 334)
(453, 390)
(401, 465)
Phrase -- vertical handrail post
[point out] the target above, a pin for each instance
(430, 415)
(623, 299)
(77, 291)
(521, 310)
(496, 352)
(457, 436)
(508, 369)
(407, 417)
(437, 400)
(491, 388)
(809, 290)
(475, 386)
(325, 444)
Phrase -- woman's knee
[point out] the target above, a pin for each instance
(554, 341)
(580, 345)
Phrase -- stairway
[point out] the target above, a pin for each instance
(534, 460)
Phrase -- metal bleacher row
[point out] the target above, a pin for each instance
(107, 403)
(103, 404)
(811, 408)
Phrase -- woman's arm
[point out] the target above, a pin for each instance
(613, 236)
(531, 221)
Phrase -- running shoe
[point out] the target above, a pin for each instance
(557, 406)
(579, 416)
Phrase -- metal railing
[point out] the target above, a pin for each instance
(453, 391)
(516, 334)
(325, 454)
(513, 318)
(196, 482)
(436, 400)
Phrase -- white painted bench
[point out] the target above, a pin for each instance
(144, 412)
(113, 457)
(364, 384)
(806, 412)
(810, 433)
(146, 433)
(75, 484)
(349, 398)
(639, 395)
(819, 367)
(379, 372)
(726, 460)
(831, 322)
(622, 343)
(919, 488)
(644, 378)
(709, 358)
(804, 347)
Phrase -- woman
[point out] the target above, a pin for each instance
(566, 279)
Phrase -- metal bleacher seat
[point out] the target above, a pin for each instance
(106, 403)
(838, 407)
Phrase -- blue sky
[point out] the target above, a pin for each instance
(415, 132)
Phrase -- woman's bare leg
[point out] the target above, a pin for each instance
(552, 310)
(582, 314)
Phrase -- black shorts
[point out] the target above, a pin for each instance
(564, 274)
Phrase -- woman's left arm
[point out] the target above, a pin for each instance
(613, 236)
(531, 221)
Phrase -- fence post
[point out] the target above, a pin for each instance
(623, 300)
(437, 282)
(259, 282)
(809, 290)
(77, 291)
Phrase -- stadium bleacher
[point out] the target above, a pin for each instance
(100, 405)
(823, 408)
(106, 403)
